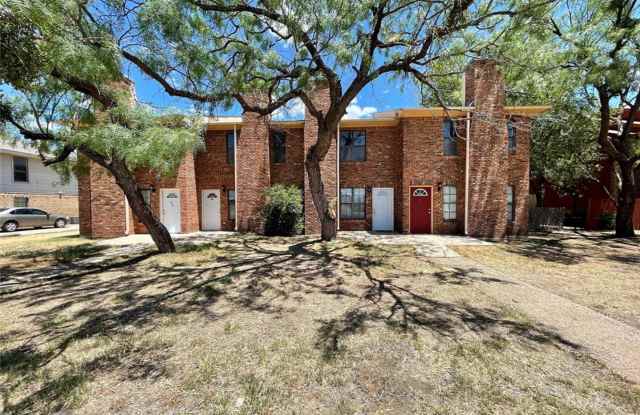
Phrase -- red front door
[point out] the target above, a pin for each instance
(420, 210)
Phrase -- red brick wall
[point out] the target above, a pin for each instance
(214, 172)
(424, 163)
(291, 172)
(102, 204)
(327, 166)
(519, 175)
(382, 168)
(185, 182)
(488, 158)
(59, 204)
(253, 169)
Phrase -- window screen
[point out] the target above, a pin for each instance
(449, 202)
(352, 203)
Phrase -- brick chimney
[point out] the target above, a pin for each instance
(252, 167)
(487, 150)
(321, 99)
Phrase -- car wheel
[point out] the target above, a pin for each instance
(60, 223)
(10, 226)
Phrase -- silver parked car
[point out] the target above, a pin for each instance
(14, 218)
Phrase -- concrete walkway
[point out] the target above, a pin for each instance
(613, 343)
(145, 239)
(432, 246)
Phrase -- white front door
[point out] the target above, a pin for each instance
(211, 210)
(382, 208)
(170, 207)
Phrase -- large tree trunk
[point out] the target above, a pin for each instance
(626, 202)
(126, 181)
(324, 207)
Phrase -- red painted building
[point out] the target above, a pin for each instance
(424, 170)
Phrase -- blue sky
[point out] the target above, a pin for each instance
(384, 94)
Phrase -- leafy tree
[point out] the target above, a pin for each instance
(283, 211)
(63, 90)
(200, 49)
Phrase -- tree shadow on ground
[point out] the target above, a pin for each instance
(99, 297)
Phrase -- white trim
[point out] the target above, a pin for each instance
(338, 178)
(13, 169)
(235, 175)
(466, 174)
(127, 217)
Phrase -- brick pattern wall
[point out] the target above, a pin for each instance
(253, 169)
(382, 168)
(291, 172)
(424, 163)
(327, 166)
(59, 204)
(185, 182)
(488, 158)
(519, 175)
(102, 204)
(214, 172)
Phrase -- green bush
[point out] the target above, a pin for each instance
(282, 212)
(607, 221)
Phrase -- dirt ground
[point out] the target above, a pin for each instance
(250, 325)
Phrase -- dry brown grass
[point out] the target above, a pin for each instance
(249, 325)
(591, 269)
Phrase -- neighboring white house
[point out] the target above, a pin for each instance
(25, 181)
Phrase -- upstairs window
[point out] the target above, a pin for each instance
(511, 213)
(231, 198)
(352, 203)
(20, 169)
(278, 147)
(353, 145)
(231, 148)
(449, 205)
(449, 138)
(511, 134)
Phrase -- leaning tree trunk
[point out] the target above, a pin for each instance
(126, 181)
(626, 202)
(324, 207)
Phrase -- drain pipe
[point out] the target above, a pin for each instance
(338, 178)
(235, 174)
(466, 174)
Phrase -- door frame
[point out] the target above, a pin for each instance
(202, 193)
(411, 195)
(162, 193)
(393, 202)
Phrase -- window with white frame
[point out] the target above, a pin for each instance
(146, 196)
(231, 148)
(20, 169)
(510, 204)
(352, 203)
(231, 197)
(449, 138)
(20, 201)
(449, 198)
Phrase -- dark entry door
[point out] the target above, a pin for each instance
(420, 210)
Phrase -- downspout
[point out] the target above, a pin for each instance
(338, 178)
(466, 174)
(235, 173)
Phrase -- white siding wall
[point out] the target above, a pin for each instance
(42, 180)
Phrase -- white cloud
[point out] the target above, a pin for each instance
(293, 110)
(356, 111)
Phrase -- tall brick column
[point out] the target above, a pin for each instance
(321, 100)
(488, 158)
(101, 204)
(253, 168)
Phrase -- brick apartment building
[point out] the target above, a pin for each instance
(425, 170)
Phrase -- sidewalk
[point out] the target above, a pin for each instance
(613, 343)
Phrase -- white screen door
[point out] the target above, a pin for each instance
(382, 209)
(171, 209)
(211, 210)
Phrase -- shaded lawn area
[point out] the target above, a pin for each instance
(592, 269)
(252, 325)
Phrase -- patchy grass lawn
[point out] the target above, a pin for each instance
(592, 269)
(250, 325)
